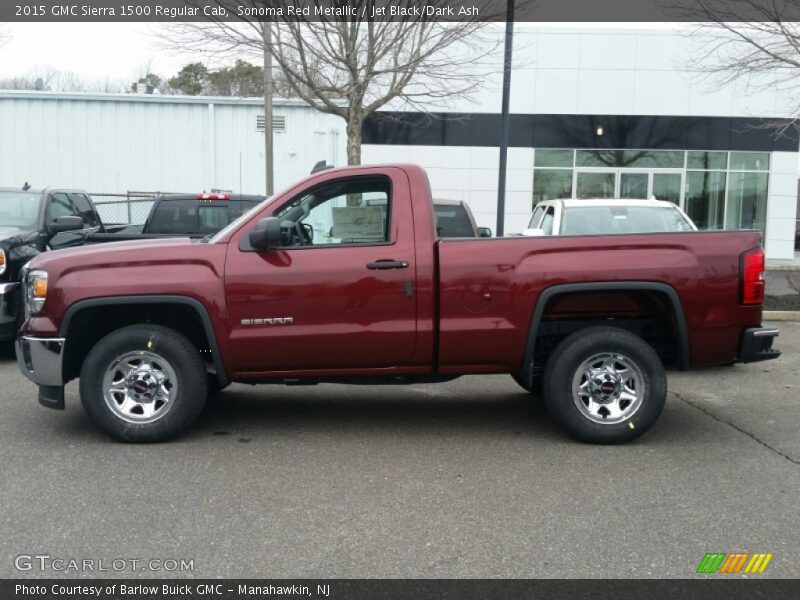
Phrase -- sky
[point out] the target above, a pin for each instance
(99, 51)
(92, 50)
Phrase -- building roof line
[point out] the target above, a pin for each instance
(152, 98)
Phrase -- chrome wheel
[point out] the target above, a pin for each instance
(608, 388)
(139, 387)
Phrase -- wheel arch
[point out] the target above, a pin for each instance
(185, 302)
(554, 291)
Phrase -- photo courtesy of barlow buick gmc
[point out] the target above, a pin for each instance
(356, 299)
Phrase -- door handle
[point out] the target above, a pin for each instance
(387, 264)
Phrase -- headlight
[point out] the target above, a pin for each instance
(2, 261)
(35, 291)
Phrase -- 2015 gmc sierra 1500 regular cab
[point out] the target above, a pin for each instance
(342, 278)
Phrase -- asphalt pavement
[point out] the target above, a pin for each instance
(463, 479)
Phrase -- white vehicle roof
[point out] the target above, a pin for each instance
(570, 202)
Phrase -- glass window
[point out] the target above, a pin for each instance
(60, 206)
(452, 220)
(351, 211)
(536, 217)
(633, 185)
(605, 220)
(747, 201)
(749, 161)
(175, 216)
(547, 222)
(84, 207)
(595, 185)
(705, 198)
(19, 209)
(553, 158)
(650, 159)
(707, 160)
(667, 186)
(551, 184)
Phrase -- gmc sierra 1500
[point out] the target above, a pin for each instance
(342, 277)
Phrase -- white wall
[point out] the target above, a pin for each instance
(117, 143)
(572, 70)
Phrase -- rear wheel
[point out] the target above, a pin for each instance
(143, 383)
(604, 385)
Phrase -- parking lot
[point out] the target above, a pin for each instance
(464, 479)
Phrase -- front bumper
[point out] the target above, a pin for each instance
(40, 360)
(9, 301)
(756, 344)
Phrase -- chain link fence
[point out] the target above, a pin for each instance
(131, 207)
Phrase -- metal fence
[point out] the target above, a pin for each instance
(131, 207)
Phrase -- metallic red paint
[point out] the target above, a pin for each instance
(472, 300)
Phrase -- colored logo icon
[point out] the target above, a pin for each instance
(734, 562)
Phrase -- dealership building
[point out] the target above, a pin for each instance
(595, 113)
(601, 113)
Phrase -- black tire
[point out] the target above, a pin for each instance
(174, 354)
(568, 366)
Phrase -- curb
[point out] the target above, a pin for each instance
(781, 315)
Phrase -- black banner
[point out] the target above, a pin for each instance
(405, 10)
(383, 589)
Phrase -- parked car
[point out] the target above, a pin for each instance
(192, 215)
(32, 221)
(605, 217)
(455, 219)
(148, 326)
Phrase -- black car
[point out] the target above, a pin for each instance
(34, 220)
(193, 215)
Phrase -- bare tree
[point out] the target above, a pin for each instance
(47, 79)
(352, 67)
(750, 42)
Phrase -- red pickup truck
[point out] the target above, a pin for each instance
(342, 278)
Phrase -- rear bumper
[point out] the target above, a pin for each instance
(756, 344)
(40, 360)
(8, 310)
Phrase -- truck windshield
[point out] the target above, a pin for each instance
(19, 209)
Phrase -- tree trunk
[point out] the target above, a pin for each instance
(266, 31)
(354, 123)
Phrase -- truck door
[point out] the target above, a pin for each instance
(339, 292)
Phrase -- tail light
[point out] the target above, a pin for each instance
(213, 196)
(751, 271)
(2, 261)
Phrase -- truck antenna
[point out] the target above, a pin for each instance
(26, 187)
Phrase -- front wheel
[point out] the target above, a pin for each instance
(604, 385)
(143, 383)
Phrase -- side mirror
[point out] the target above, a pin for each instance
(70, 223)
(533, 232)
(484, 232)
(267, 234)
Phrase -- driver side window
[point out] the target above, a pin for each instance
(60, 206)
(351, 211)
